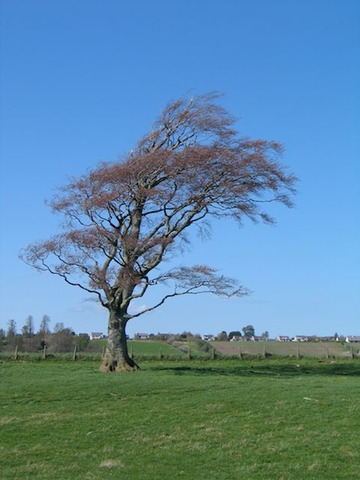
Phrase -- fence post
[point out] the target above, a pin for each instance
(240, 356)
(189, 352)
(16, 352)
(160, 353)
(44, 352)
(213, 352)
(74, 354)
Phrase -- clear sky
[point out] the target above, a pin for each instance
(82, 80)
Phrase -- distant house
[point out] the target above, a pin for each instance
(301, 338)
(208, 338)
(257, 338)
(352, 339)
(236, 338)
(142, 336)
(283, 338)
(325, 339)
(96, 335)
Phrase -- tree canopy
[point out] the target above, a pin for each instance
(122, 220)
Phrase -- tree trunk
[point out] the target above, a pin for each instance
(116, 357)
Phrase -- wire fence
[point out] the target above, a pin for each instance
(137, 350)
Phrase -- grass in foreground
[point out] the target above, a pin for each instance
(193, 420)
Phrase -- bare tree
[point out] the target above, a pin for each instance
(11, 331)
(28, 328)
(123, 220)
(59, 327)
(44, 328)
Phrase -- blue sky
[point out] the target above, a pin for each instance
(82, 80)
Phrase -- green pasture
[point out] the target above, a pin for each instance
(152, 349)
(140, 348)
(223, 419)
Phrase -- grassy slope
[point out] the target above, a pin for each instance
(191, 420)
(152, 348)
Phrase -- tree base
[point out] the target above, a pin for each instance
(127, 368)
(111, 364)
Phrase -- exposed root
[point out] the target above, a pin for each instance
(127, 366)
(111, 364)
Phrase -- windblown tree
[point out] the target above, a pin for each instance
(124, 219)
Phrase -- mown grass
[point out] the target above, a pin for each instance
(227, 419)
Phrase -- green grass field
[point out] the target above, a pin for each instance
(222, 419)
(153, 349)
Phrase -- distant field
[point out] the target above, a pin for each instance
(236, 349)
(140, 348)
(150, 348)
(222, 419)
(288, 349)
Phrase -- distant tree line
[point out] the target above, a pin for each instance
(60, 339)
